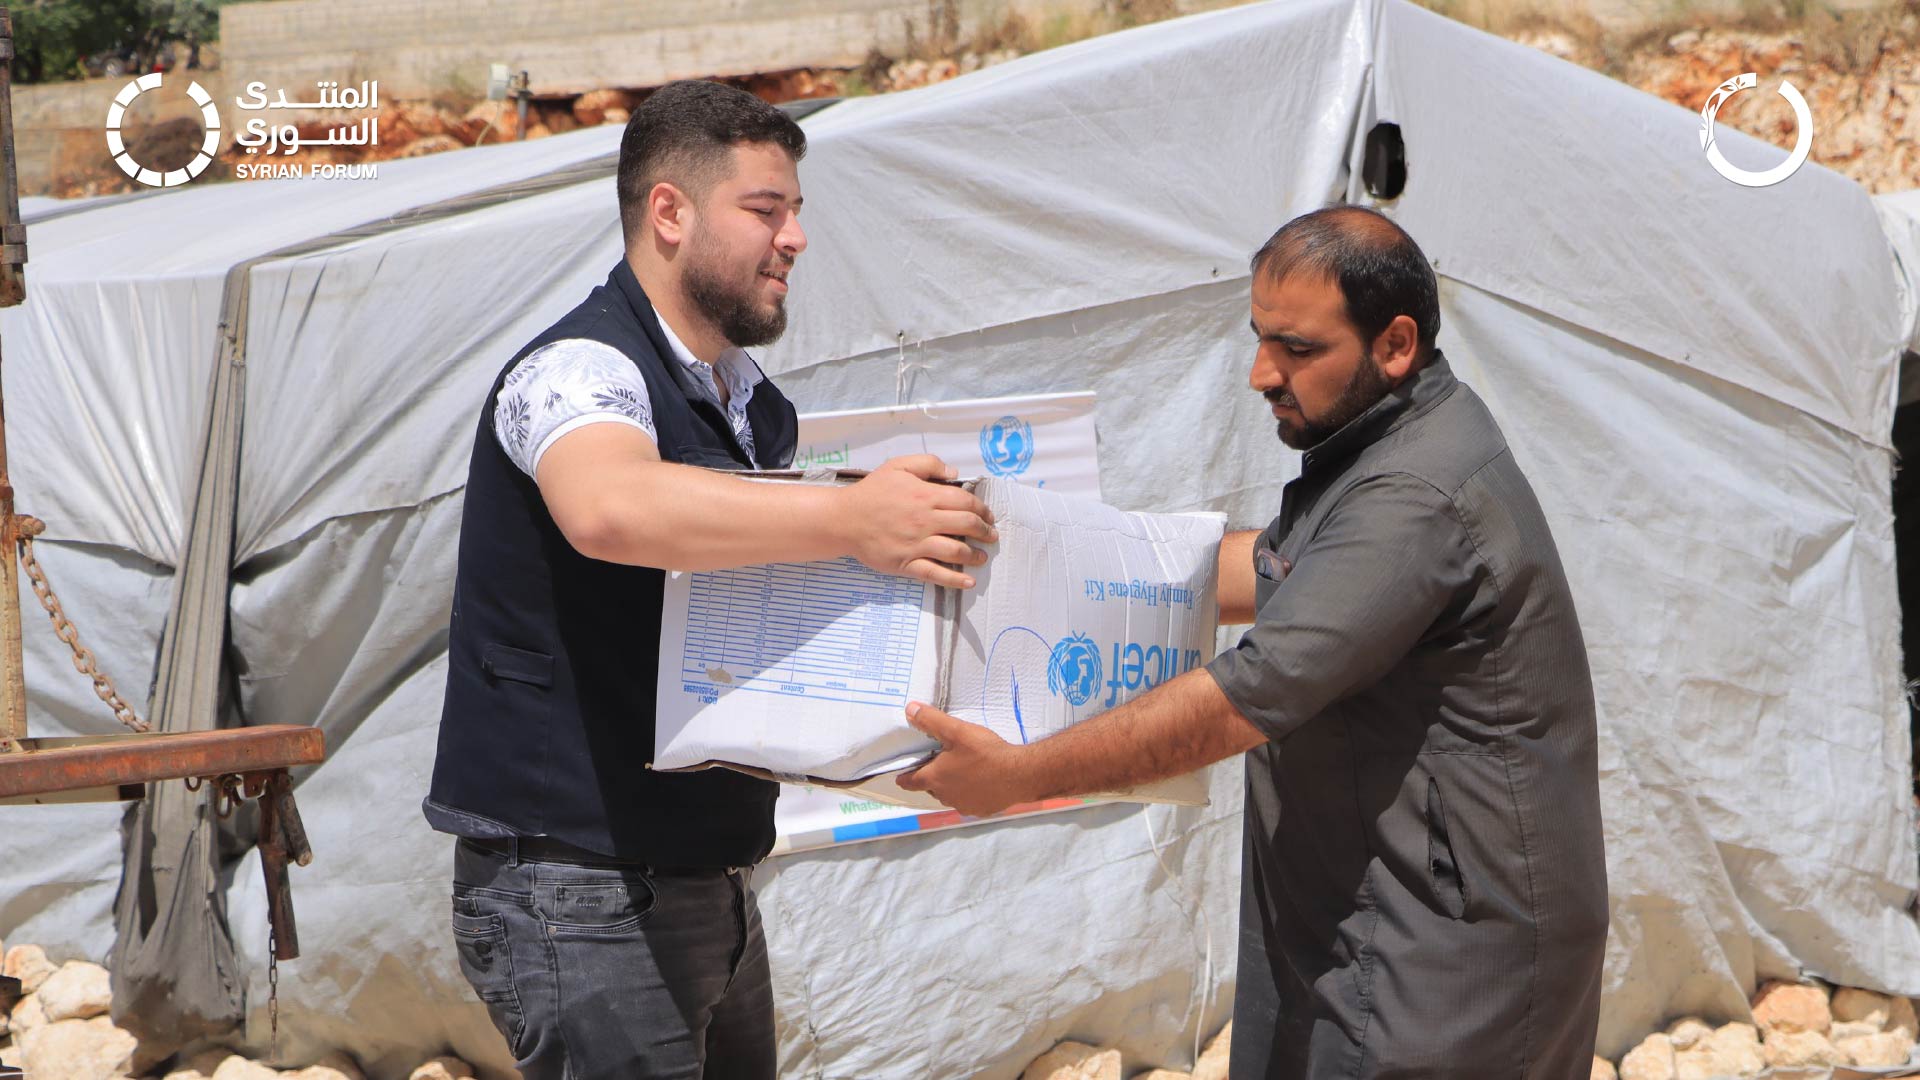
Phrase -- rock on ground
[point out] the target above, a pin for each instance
(90, 1049)
(1793, 1048)
(593, 106)
(1653, 1059)
(1878, 1050)
(1781, 1006)
(199, 1065)
(1213, 1060)
(1851, 1029)
(1688, 1031)
(430, 144)
(27, 1015)
(334, 1066)
(503, 116)
(1732, 1050)
(1074, 1061)
(29, 964)
(78, 991)
(239, 1068)
(1851, 1005)
(1901, 1018)
(1603, 1070)
(446, 1067)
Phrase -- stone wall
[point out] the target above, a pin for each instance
(56, 124)
(568, 46)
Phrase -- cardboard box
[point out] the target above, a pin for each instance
(801, 671)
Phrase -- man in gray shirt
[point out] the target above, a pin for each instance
(1423, 887)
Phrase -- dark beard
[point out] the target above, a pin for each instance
(1368, 385)
(731, 309)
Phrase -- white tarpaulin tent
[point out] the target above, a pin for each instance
(1900, 215)
(1698, 378)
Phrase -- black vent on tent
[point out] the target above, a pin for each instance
(1384, 169)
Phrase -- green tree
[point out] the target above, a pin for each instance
(189, 22)
(50, 37)
(53, 38)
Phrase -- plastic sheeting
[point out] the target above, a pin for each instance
(1698, 378)
(1900, 216)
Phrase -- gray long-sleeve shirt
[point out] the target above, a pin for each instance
(1423, 888)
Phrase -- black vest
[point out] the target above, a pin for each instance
(553, 656)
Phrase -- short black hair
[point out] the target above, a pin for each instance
(684, 133)
(1381, 272)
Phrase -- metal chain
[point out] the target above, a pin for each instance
(83, 660)
(273, 993)
(227, 797)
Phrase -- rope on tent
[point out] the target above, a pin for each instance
(903, 374)
(63, 628)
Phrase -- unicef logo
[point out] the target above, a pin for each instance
(1802, 143)
(175, 177)
(1073, 672)
(1006, 445)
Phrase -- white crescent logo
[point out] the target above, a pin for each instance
(1803, 137)
(152, 178)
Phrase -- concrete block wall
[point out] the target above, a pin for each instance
(567, 46)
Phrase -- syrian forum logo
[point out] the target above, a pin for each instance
(1803, 133)
(117, 146)
(257, 136)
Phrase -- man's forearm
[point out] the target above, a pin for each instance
(1176, 729)
(677, 517)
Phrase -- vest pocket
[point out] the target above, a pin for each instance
(520, 665)
(1448, 884)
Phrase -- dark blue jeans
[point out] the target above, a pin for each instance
(598, 972)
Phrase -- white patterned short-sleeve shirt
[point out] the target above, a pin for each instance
(568, 384)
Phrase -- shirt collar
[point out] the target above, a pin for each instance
(734, 364)
(1421, 391)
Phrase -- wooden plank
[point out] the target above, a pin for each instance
(49, 765)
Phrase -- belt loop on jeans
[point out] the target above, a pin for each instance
(513, 851)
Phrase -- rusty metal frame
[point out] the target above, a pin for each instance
(13, 289)
(44, 766)
(13, 235)
(249, 762)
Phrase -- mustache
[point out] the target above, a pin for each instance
(1282, 398)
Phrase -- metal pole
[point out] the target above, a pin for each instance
(521, 93)
(13, 237)
(13, 290)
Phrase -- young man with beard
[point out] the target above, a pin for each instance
(1423, 885)
(605, 913)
